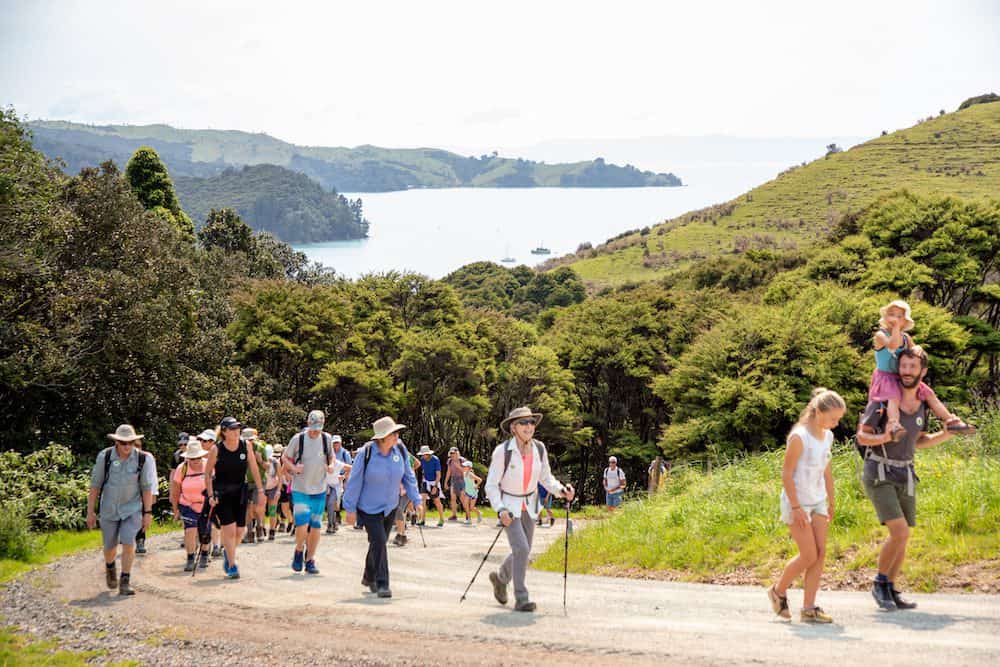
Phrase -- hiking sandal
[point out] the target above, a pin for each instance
(815, 615)
(956, 425)
(779, 603)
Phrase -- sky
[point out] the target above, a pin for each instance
(474, 76)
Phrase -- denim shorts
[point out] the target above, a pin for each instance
(810, 509)
(189, 516)
(614, 499)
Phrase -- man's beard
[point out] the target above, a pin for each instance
(914, 381)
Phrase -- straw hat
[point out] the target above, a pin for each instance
(425, 451)
(385, 426)
(278, 448)
(124, 433)
(520, 413)
(194, 451)
(249, 434)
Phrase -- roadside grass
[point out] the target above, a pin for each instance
(724, 525)
(18, 651)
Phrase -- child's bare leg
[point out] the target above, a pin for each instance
(806, 541)
(892, 408)
(820, 524)
(939, 409)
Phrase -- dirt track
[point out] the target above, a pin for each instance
(610, 621)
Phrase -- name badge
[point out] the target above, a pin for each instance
(395, 458)
(243, 457)
(116, 463)
(920, 421)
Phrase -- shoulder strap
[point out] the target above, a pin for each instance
(107, 469)
(302, 445)
(326, 446)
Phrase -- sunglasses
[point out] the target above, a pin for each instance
(525, 422)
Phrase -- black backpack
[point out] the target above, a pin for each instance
(863, 451)
(107, 468)
(326, 447)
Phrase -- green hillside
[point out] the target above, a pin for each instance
(954, 154)
(274, 199)
(202, 153)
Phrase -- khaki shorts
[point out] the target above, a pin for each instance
(890, 500)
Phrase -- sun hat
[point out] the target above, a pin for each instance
(466, 463)
(249, 434)
(315, 420)
(337, 438)
(207, 435)
(612, 459)
(194, 451)
(425, 451)
(228, 423)
(520, 413)
(385, 426)
(903, 306)
(453, 450)
(125, 433)
(278, 448)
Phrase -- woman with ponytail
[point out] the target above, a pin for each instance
(807, 501)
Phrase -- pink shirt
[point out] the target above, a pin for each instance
(192, 485)
(529, 461)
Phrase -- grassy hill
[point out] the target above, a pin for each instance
(287, 204)
(201, 153)
(955, 154)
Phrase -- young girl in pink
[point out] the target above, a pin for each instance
(890, 338)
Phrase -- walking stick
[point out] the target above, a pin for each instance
(566, 555)
(481, 564)
(420, 529)
(201, 546)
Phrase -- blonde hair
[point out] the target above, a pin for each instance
(823, 400)
(903, 306)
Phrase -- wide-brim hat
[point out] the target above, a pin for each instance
(425, 450)
(384, 427)
(194, 451)
(903, 306)
(249, 434)
(520, 413)
(278, 448)
(125, 433)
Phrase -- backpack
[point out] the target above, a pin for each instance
(107, 468)
(400, 449)
(621, 474)
(863, 451)
(507, 453)
(326, 447)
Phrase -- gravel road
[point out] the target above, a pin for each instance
(273, 614)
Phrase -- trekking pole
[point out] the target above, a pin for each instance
(201, 546)
(566, 555)
(481, 564)
(420, 529)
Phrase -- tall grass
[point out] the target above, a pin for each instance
(709, 527)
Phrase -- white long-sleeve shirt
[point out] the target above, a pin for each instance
(499, 490)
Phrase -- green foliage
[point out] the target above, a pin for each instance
(152, 186)
(48, 487)
(979, 99)
(16, 539)
(278, 201)
(520, 291)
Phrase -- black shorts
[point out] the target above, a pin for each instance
(232, 508)
(283, 497)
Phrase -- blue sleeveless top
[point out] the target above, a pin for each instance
(886, 359)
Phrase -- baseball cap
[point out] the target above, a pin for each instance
(206, 435)
(183, 438)
(453, 449)
(316, 419)
(612, 459)
(466, 463)
(228, 423)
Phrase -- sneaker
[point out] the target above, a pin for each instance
(225, 562)
(260, 533)
(526, 605)
(215, 551)
(270, 535)
(203, 560)
(140, 548)
(297, 561)
(479, 519)
(901, 602)
(413, 519)
(499, 588)
(422, 523)
(453, 518)
(357, 527)
(440, 524)
(815, 615)
(384, 592)
(233, 572)
(124, 586)
(330, 530)
(552, 521)
(883, 596)
(311, 567)
(468, 522)
(189, 566)
(111, 575)
(539, 521)
(779, 603)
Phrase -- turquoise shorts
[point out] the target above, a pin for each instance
(308, 508)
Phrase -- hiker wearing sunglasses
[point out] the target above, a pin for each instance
(518, 466)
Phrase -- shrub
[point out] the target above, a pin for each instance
(16, 540)
(50, 485)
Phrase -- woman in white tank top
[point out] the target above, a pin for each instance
(807, 501)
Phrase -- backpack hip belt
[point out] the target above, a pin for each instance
(894, 463)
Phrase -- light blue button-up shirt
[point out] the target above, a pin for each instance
(373, 488)
(122, 493)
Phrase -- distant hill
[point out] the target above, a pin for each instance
(952, 154)
(202, 153)
(287, 204)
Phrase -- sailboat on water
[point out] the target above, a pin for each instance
(541, 250)
(507, 258)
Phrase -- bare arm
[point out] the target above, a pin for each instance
(209, 470)
(830, 498)
(867, 437)
(793, 452)
(928, 440)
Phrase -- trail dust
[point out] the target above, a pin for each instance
(608, 620)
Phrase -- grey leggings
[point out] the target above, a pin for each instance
(519, 535)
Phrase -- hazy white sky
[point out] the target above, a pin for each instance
(475, 75)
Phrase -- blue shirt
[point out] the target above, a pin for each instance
(343, 456)
(122, 496)
(373, 487)
(543, 493)
(431, 468)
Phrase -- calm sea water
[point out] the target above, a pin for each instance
(434, 232)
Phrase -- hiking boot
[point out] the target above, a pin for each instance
(270, 535)
(384, 592)
(538, 522)
(124, 586)
(330, 530)
(111, 575)
(140, 548)
(526, 605)
(779, 603)
(311, 567)
(233, 572)
(369, 584)
(190, 563)
(422, 523)
(260, 533)
(297, 561)
(901, 602)
(883, 596)
(815, 615)
(216, 552)
(552, 521)
(413, 519)
(203, 560)
(499, 588)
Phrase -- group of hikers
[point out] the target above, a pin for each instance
(228, 487)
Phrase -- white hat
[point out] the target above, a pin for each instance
(337, 438)
(194, 451)
(249, 433)
(425, 451)
(903, 306)
(278, 448)
(125, 433)
(385, 426)
(207, 435)
(466, 463)
(612, 459)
